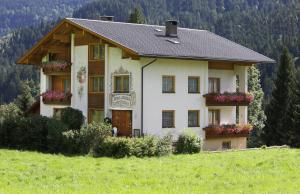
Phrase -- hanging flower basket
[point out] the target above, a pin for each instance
(229, 99)
(56, 67)
(232, 130)
(56, 97)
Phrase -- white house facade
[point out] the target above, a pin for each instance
(147, 84)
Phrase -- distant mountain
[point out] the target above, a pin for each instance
(263, 25)
(20, 13)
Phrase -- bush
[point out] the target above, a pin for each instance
(164, 146)
(146, 146)
(92, 133)
(32, 133)
(188, 143)
(117, 147)
(73, 118)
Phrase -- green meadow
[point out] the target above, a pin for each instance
(255, 171)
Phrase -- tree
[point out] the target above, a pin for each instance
(275, 131)
(294, 113)
(256, 114)
(25, 99)
(137, 16)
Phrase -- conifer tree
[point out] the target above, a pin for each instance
(275, 132)
(294, 113)
(137, 16)
(25, 99)
(256, 114)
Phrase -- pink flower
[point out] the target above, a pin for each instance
(56, 96)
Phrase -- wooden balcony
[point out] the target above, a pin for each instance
(232, 130)
(228, 99)
(56, 67)
(56, 98)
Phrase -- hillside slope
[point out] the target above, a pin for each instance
(19, 13)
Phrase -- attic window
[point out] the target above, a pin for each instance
(158, 30)
(173, 41)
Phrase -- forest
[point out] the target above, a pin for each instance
(262, 25)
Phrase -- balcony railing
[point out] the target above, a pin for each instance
(52, 67)
(233, 130)
(56, 97)
(228, 99)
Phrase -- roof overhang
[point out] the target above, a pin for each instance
(25, 58)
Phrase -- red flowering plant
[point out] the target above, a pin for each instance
(56, 66)
(230, 98)
(228, 130)
(56, 96)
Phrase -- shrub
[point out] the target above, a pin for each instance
(117, 147)
(92, 133)
(32, 133)
(73, 118)
(164, 146)
(188, 143)
(144, 146)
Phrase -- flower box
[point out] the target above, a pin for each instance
(56, 97)
(233, 130)
(56, 67)
(228, 99)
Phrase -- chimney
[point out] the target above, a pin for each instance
(171, 28)
(107, 18)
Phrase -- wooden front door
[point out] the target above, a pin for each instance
(122, 120)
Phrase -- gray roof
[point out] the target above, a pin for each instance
(150, 40)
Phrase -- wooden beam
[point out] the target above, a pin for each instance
(64, 38)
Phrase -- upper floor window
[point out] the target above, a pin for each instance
(61, 83)
(194, 84)
(168, 84)
(121, 84)
(193, 118)
(168, 119)
(96, 84)
(213, 85)
(214, 117)
(97, 52)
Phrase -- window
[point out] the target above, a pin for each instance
(60, 83)
(96, 84)
(194, 84)
(168, 84)
(97, 52)
(226, 145)
(214, 117)
(96, 115)
(121, 84)
(214, 85)
(67, 84)
(193, 118)
(168, 119)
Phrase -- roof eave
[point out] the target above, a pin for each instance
(269, 61)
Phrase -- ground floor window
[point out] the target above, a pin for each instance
(168, 119)
(96, 115)
(226, 145)
(193, 118)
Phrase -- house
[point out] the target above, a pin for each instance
(148, 79)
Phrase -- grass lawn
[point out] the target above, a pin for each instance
(259, 171)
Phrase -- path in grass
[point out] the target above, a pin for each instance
(261, 171)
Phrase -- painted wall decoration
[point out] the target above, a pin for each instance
(81, 78)
(124, 100)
